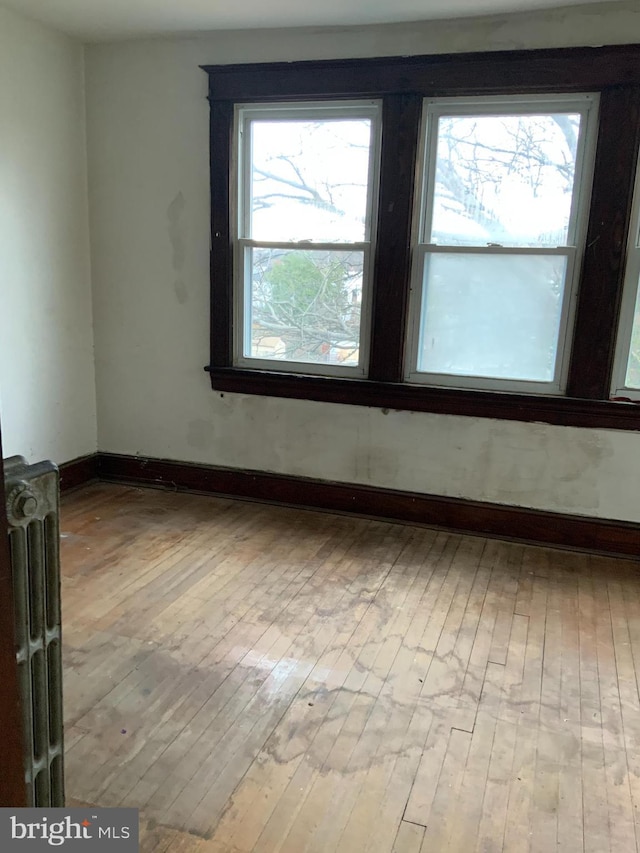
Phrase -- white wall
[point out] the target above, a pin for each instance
(148, 164)
(47, 380)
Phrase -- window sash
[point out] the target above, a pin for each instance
(245, 114)
(450, 380)
(585, 104)
(242, 311)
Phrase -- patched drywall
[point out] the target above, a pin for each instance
(149, 172)
(47, 381)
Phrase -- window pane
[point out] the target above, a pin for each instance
(633, 367)
(494, 316)
(305, 305)
(504, 179)
(309, 180)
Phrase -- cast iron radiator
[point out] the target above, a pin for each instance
(32, 512)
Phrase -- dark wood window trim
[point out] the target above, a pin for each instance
(402, 83)
(603, 266)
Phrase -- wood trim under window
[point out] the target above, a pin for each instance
(614, 72)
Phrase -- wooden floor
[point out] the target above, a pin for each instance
(256, 678)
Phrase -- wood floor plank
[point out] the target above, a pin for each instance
(261, 679)
(496, 797)
(499, 808)
(409, 838)
(507, 604)
(517, 831)
(595, 807)
(620, 808)
(444, 808)
(469, 806)
(570, 803)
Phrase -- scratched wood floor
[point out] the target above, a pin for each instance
(256, 678)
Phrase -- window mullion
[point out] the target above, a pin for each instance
(400, 136)
(603, 265)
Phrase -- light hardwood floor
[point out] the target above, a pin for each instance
(257, 678)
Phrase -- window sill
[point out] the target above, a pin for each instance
(564, 411)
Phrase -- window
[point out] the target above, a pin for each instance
(305, 191)
(440, 234)
(626, 382)
(502, 224)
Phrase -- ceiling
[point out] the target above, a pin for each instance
(99, 20)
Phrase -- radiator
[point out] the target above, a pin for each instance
(32, 511)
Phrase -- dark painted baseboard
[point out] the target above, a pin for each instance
(547, 528)
(78, 472)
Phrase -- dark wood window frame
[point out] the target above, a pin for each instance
(402, 84)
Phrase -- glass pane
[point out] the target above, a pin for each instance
(504, 179)
(309, 180)
(494, 316)
(305, 305)
(633, 367)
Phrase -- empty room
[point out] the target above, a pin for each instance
(319, 398)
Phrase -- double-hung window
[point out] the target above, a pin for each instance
(502, 219)
(305, 194)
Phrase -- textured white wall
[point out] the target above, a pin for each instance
(47, 380)
(148, 166)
